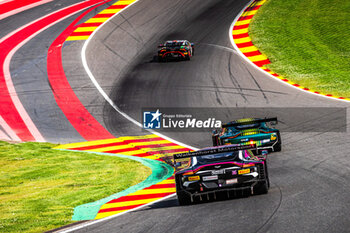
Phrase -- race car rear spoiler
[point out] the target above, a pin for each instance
(215, 150)
(273, 119)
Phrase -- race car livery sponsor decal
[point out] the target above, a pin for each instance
(193, 178)
(208, 178)
(244, 44)
(244, 171)
(147, 146)
(232, 181)
(84, 30)
(273, 136)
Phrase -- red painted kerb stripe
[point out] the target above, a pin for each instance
(9, 111)
(10, 6)
(86, 125)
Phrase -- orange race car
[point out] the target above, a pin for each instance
(175, 49)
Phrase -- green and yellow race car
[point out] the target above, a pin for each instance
(249, 131)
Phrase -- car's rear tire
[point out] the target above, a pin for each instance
(278, 146)
(267, 174)
(215, 139)
(183, 198)
(262, 187)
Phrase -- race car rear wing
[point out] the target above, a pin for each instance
(273, 119)
(215, 150)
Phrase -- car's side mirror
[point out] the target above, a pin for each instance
(192, 44)
(177, 164)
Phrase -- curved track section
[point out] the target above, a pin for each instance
(17, 31)
(28, 68)
(309, 190)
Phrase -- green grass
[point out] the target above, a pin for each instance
(306, 42)
(40, 186)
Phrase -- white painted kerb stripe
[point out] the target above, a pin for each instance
(23, 8)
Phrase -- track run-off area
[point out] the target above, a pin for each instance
(81, 72)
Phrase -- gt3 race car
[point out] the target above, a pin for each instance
(175, 49)
(225, 169)
(249, 131)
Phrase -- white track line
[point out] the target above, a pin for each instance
(263, 71)
(23, 8)
(3, 136)
(104, 94)
(14, 97)
(110, 101)
(5, 1)
(11, 89)
(8, 130)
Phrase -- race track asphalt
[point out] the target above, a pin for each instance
(28, 69)
(309, 191)
(309, 178)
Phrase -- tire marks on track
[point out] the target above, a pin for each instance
(234, 80)
(273, 213)
(14, 114)
(86, 125)
(258, 85)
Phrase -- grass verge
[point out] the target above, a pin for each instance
(307, 42)
(39, 186)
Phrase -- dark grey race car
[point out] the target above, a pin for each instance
(225, 169)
